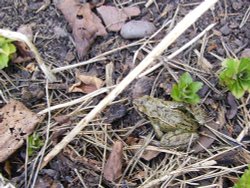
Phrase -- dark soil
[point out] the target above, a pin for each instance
(54, 41)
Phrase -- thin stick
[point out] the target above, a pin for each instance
(97, 58)
(187, 21)
(23, 38)
(75, 101)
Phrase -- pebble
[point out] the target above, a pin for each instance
(237, 4)
(137, 29)
(225, 30)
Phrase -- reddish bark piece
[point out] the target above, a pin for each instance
(114, 18)
(87, 84)
(16, 123)
(86, 26)
(113, 167)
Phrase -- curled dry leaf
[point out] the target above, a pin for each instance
(87, 84)
(113, 167)
(23, 51)
(86, 26)
(16, 123)
(114, 18)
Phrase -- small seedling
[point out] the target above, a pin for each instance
(244, 181)
(7, 49)
(34, 143)
(236, 76)
(186, 90)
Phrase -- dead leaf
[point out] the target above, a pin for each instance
(24, 54)
(86, 26)
(31, 67)
(16, 123)
(142, 87)
(207, 138)
(114, 18)
(87, 84)
(46, 181)
(115, 112)
(113, 167)
(150, 154)
(232, 112)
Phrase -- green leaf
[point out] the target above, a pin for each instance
(6, 51)
(12, 48)
(244, 64)
(195, 86)
(244, 181)
(237, 90)
(4, 59)
(236, 76)
(185, 79)
(34, 143)
(185, 90)
(175, 94)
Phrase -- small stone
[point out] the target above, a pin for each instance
(137, 29)
(225, 30)
(237, 5)
(245, 52)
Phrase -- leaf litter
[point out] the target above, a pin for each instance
(90, 145)
(86, 84)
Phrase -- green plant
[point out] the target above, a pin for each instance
(6, 51)
(236, 76)
(186, 90)
(244, 181)
(34, 143)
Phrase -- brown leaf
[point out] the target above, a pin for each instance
(87, 84)
(232, 112)
(24, 53)
(207, 138)
(149, 154)
(113, 167)
(16, 123)
(114, 18)
(86, 26)
(142, 87)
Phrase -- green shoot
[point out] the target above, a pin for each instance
(186, 90)
(236, 76)
(34, 143)
(6, 51)
(244, 181)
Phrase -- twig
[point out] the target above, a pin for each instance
(76, 101)
(97, 58)
(180, 28)
(21, 37)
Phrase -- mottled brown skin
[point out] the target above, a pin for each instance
(174, 123)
